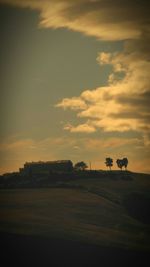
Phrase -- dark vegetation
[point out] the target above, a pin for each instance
(120, 163)
(80, 166)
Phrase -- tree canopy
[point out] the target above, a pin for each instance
(109, 162)
(122, 163)
(80, 166)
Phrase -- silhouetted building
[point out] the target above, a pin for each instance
(47, 167)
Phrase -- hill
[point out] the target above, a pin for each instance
(108, 210)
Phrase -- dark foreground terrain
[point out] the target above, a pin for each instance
(87, 220)
(21, 250)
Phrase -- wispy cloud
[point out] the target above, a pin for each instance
(74, 103)
(105, 19)
(111, 142)
(82, 128)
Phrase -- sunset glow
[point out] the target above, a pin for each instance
(75, 82)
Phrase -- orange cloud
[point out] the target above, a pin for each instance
(82, 128)
(104, 19)
(74, 103)
(123, 104)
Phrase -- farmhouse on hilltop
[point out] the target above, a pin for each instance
(45, 167)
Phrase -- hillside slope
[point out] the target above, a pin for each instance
(93, 210)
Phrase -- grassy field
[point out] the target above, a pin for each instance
(90, 210)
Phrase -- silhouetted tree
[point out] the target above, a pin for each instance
(125, 162)
(119, 163)
(122, 163)
(80, 166)
(109, 162)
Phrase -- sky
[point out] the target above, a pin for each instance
(74, 81)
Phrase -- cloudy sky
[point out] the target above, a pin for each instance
(75, 82)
